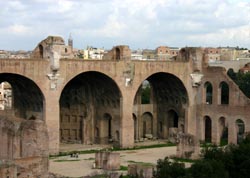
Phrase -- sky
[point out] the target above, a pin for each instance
(140, 24)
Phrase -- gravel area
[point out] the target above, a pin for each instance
(82, 166)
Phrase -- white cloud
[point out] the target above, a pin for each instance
(225, 37)
(138, 23)
(16, 29)
(61, 6)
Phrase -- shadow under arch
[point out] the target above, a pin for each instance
(28, 100)
(167, 92)
(83, 101)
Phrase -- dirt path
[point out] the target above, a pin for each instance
(82, 166)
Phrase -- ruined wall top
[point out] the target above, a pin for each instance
(52, 44)
(54, 40)
(117, 53)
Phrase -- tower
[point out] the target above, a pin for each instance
(70, 41)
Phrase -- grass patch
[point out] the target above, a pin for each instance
(73, 152)
(141, 163)
(66, 160)
(145, 147)
(100, 176)
(90, 159)
(123, 168)
(206, 144)
(224, 142)
(112, 149)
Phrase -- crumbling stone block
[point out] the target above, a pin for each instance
(8, 169)
(141, 170)
(188, 146)
(107, 160)
(25, 148)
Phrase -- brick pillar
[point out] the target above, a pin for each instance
(52, 118)
(127, 123)
(232, 135)
(215, 131)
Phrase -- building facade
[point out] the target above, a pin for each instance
(99, 102)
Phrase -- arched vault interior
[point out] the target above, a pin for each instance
(27, 99)
(169, 100)
(84, 103)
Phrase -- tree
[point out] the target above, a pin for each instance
(167, 169)
(145, 94)
(208, 168)
(232, 161)
(242, 80)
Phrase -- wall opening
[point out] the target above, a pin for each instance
(145, 93)
(5, 96)
(240, 130)
(87, 102)
(209, 93)
(135, 127)
(173, 118)
(117, 54)
(147, 124)
(224, 93)
(20, 100)
(165, 92)
(40, 51)
(208, 129)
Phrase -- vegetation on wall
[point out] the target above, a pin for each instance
(242, 80)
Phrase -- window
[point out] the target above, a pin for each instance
(224, 93)
(209, 92)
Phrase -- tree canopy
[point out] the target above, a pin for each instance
(232, 161)
(242, 80)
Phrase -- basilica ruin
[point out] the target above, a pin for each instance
(58, 98)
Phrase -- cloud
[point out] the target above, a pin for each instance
(225, 37)
(138, 23)
(16, 30)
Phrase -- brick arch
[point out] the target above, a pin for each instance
(28, 100)
(176, 77)
(84, 101)
(74, 75)
(167, 93)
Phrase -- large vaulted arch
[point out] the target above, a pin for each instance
(27, 100)
(168, 101)
(90, 109)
